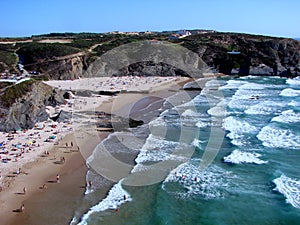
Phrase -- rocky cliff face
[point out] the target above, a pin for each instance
(62, 69)
(259, 55)
(29, 108)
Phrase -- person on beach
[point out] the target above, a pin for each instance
(62, 160)
(22, 208)
(19, 171)
(90, 184)
(57, 178)
(71, 144)
(24, 190)
(44, 186)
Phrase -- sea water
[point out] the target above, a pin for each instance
(252, 178)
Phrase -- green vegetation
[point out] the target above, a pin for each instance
(11, 94)
(8, 47)
(33, 52)
(119, 40)
(10, 59)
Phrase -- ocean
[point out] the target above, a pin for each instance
(230, 155)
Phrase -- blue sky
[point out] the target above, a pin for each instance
(268, 17)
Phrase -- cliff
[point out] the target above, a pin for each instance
(24, 104)
(259, 55)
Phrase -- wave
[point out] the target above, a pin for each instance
(219, 110)
(289, 92)
(278, 138)
(190, 113)
(202, 124)
(265, 108)
(158, 149)
(294, 103)
(233, 84)
(242, 99)
(288, 116)
(116, 197)
(237, 130)
(238, 157)
(294, 81)
(188, 180)
(198, 143)
(290, 188)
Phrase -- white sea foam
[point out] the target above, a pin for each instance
(192, 181)
(113, 200)
(190, 113)
(158, 122)
(288, 116)
(248, 77)
(294, 103)
(237, 129)
(88, 190)
(290, 188)
(219, 110)
(265, 108)
(252, 86)
(198, 143)
(250, 94)
(294, 81)
(233, 84)
(289, 92)
(202, 124)
(157, 149)
(238, 157)
(278, 138)
(213, 83)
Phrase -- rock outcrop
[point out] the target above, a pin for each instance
(29, 108)
(258, 55)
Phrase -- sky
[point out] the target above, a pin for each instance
(19, 18)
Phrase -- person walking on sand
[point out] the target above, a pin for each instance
(57, 178)
(24, 190)
(22, 208)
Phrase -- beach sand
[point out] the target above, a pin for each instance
(57, 203)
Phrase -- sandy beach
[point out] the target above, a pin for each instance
(38, 169)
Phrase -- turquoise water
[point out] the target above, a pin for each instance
(254, 177)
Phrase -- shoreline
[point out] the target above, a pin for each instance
(40, 171)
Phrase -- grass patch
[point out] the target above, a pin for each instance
(9, 58)
(15, 92)
(33, 52)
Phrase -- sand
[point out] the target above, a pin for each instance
(43, 170)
